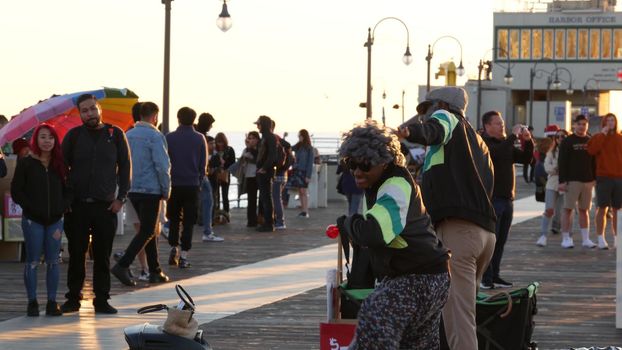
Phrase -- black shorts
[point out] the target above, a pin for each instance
(608, 192)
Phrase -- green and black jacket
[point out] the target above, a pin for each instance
(396, 228)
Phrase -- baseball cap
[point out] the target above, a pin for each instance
(456, 97)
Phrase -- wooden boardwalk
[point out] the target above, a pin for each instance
(576, 301)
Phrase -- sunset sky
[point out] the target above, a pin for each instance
(301, 62)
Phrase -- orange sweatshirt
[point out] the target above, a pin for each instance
(608, 152)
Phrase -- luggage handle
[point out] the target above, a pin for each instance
(152, 308)
(496, 297)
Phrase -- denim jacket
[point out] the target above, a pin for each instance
(151, 166)
(304, 159)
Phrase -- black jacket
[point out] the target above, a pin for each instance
(504, 155)
(458, 175)
(98, 161)
(41, 192)
(400, 241)
(575, 164)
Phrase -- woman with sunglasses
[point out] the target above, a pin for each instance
(553, 198)
(409, 262)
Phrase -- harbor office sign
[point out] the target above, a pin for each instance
(586, 19)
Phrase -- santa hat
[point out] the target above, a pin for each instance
(551, 130)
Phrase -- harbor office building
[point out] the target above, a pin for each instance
(582, 50)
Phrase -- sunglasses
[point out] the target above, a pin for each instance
(353, 165)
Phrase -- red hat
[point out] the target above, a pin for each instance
(551, 130)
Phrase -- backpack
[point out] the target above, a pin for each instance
(284, 156)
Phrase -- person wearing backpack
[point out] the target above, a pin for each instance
(303, 169)
(285, 159)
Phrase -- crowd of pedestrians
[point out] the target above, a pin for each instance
(168, 183)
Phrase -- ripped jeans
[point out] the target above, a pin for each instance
(40, 239)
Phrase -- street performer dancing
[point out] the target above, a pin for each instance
(408, 260)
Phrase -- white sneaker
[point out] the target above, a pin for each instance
(144, 276)
(280, 227)
(602, 243)
(567, 243)
(588, 244)
(541, 241)
(212, 238)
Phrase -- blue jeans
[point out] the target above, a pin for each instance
(207, 206)
(504, 209)
(37, 239)
(354, 203)
(277, 198)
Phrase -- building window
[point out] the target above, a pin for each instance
(617, 43)
(606, 43)
(502, 43)
(525, 44)
(571, 43)
(514, 44)
(560, 49)
(548, 43)
(536, 52)
(583, 43)
(594, 44)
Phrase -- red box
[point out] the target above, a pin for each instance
(336, 335)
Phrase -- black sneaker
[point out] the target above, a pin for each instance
(70, 305)
(52, 309)
(103, 307)
(500, 283)
(554, 231)
(122, 273)
(158, 277)
(33, 308)
(265, 229)
(183, 263)
(486, 285)
(172, 257)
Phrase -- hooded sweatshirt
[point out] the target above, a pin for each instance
(607, 149)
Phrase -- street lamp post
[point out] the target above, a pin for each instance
(428, 58)
(508, 78)
(585, 87)
(223, 22)
(407, 59)
(556, 85)
(555, 82)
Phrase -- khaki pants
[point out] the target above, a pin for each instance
(471, 250)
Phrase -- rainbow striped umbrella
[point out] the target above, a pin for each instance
(61, 111)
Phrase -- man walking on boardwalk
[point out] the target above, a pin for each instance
(187, 150)
(151, 184)
(98, 158)
(457, 191)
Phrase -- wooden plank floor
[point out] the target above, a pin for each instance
(576, 301)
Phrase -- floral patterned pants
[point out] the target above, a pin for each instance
(402, 313)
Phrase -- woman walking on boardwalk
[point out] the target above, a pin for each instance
(39, 186)
(407, 258)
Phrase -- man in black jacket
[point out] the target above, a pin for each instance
(457, 190)
(504, 155)
(266, 160)
(98, 158)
